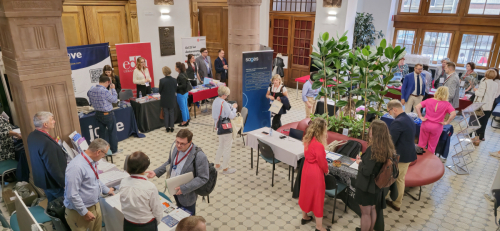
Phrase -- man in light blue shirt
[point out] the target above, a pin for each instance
(309, 97)
(83, 188)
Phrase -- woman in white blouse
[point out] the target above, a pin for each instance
(274, 92)
(142, 78)
(485, 94)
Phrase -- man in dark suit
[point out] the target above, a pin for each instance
(168, 100)
(402, 131)
(221, 67)
(413, 90)
(204, 64)
(48, 160)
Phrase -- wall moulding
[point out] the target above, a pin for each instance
(96, 2)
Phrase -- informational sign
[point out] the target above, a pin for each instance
(87, 62)
(257, 70)
(127, 54)
(193, 45)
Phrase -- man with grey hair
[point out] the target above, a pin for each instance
(48, 160)
(440, 73)
(83, 188)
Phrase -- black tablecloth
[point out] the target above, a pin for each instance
(148, 115)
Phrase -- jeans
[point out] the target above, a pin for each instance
(106, 123)
(169, 117)
(182, 100)
(191, 208)
(54, 193)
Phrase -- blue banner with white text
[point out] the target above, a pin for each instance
(257, 73)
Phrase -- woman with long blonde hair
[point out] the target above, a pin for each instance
(432, 124)
(370, 163)
(142, 79)
(312, 188)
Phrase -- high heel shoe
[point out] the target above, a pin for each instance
(306, 221)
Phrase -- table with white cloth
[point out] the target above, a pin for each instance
(287, 150)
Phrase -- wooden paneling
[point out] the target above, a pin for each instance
(73, 22)
(107, 24)
(213, 25)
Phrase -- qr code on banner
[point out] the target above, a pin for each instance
(95, 74)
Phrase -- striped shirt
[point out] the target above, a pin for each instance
(101, 99)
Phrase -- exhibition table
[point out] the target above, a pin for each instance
(125, 124)
(463, 102)
(287, 150)
(148, 115)
(203, 95)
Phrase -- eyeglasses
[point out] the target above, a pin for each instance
(180, 144)
(390, 110)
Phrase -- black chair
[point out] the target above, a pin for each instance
(266, 152)
(82, 102)
(333, 188)
(296, 133)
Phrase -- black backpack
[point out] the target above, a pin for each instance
(208, 187)
(351, 149)
(56, 209)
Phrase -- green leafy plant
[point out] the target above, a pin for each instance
(338, 124)
(364, 31)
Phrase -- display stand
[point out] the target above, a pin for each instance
(465, 147)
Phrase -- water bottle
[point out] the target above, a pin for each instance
(271, 132)
(140, 94)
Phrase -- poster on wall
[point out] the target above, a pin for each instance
(193, 45)
(87, 62)
(127, 54)
(164, 2)
(332, 3)
(257, 70)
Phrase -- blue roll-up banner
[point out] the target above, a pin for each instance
(257, 73)
(87, 62)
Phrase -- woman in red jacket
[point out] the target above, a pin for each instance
(312, 188)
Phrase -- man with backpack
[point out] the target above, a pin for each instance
(402, 131)
(186, 157)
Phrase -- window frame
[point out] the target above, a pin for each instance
(459, 6)
(422, 37)
(415, 37)
(292, 12)
(400, 5)
(466, 12)
(493, 49)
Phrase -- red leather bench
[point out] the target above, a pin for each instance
(427, 169)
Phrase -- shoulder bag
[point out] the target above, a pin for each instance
(480, 112)
(224, 125)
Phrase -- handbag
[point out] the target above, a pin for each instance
(224, 125)
(479, 111)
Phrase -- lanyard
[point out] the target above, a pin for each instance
(46, 133)
(399, 67)
(466, 74)
(223, 61)
(206, 60)
(138, 177)
(193, 66)
(144, 74)
(177, 157)
(93, 169)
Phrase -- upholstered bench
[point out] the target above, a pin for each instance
(495, 122)
(427, 169)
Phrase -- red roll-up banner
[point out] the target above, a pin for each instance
(127, 54)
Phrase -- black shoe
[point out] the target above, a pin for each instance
(185, 125)
(318, 229)
(358, 229)
(306, 221)
(172, 130)
(168, 130)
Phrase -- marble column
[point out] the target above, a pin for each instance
(37, 64)
(244, 32)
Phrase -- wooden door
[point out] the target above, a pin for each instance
(280, 33)
(214, 25)
(107, 24)
(300, 48)
(73, 21)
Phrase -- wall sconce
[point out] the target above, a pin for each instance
(165, 14)
(332, 15)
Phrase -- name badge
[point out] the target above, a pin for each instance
(441, 80)
(345, 132)
(462, 83)
(147, 84)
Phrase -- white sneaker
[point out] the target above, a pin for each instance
(229, 171)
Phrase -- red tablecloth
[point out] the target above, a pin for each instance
(463, 103)
(205, 94)
(303, 79)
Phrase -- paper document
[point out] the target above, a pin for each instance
(174, 217)
(332, 156)
(112, 176)
(104, 165)
(177, 181)
(276, 107)
(354, 165)
(18, 130)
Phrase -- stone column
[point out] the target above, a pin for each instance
(37, 65)
(244, 32)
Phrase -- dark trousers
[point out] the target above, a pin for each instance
(129, 226)
(169, 117)
(484, 122)
(106, 123)
(191, 208)
(145, 90)
(276, 123)
(53, 194)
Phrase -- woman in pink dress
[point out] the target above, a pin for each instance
(432, 124)
(312, 186)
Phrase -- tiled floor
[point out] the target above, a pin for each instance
(244, 201)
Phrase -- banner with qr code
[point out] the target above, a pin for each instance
(126, 55)
(87, 62)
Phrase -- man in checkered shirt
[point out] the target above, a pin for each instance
(101, 99)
